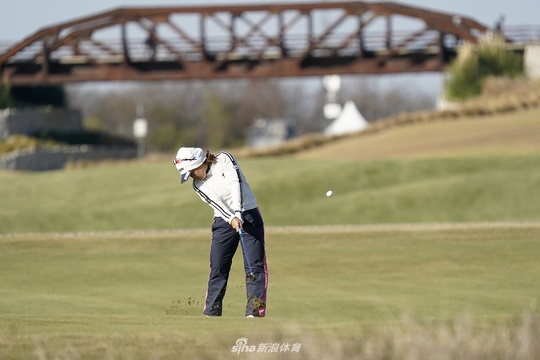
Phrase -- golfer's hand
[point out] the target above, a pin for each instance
(236, 223)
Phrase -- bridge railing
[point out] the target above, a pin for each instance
(294, 45)
(374, 41)
(523, 34)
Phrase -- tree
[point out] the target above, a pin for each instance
(217, 114)
(376, 101)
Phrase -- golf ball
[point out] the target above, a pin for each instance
(329, 193)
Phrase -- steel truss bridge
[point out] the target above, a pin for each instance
(247, 41)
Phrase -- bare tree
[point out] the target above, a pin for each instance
(218, 113)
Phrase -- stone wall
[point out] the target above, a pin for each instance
(29, 121)
(41, 159)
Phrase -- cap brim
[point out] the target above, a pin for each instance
(185, 177)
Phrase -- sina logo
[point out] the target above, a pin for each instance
(242, 346)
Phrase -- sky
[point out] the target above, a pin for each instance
(21, 18)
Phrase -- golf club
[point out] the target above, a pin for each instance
(251, 275)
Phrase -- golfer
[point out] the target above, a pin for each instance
(220, 183)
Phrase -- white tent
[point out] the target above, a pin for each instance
(349, 120)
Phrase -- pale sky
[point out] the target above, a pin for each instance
(21, 18)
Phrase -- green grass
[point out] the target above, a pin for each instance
(141, 295)
(423, 250)
(138, 196)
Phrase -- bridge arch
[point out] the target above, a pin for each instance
(216, 42)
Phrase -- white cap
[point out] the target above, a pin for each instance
(187, 159)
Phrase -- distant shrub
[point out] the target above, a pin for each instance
(45, 138)
(17, 142)
(494, 59)
(465, 81)
(474, 65)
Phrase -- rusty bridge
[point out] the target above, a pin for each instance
(220, 42)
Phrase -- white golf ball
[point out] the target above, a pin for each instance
(329, 193)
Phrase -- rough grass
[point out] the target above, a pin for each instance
(354, 292)
(462, 338)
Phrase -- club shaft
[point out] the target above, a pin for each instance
(245, 251)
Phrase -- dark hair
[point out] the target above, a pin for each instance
(210, 158)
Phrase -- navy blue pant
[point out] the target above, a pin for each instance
(225, 241)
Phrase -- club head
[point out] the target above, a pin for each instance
(252, 277)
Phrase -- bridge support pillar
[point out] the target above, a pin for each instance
(532, 61)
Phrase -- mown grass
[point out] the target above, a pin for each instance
(135, 196)
(471, 169)
(141, 295)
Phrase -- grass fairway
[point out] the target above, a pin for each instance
(147, 195)
(470, 170)
(334, 290)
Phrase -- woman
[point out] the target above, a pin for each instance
(221, 184)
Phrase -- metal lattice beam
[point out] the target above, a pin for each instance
(215, 42)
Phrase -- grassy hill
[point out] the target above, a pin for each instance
(502, 134)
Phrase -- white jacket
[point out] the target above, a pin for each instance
(225, 188)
